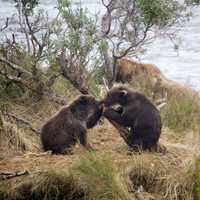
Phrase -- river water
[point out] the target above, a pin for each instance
(182, 65)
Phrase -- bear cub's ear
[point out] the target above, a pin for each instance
(123, 93)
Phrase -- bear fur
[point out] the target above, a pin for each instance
(62, 131)
(127, 70)
(137, 113)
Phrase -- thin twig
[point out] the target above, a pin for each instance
(6, 25)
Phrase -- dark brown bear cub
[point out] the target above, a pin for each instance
(69, 125)
(137, 113)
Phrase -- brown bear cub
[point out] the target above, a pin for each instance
(62, 131)
(135, 112)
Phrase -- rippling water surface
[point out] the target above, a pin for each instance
(182, 65)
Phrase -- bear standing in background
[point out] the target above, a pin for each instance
(137, 113)
(70, 124)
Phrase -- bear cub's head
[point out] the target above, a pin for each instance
(85, 106)
(118, 95)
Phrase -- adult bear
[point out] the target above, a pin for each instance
(69, 125)
(137, 113)
(133, 71)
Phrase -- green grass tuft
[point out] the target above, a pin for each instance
(101, 177)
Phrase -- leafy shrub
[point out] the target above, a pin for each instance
(158, 12)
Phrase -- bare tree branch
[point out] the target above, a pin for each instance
(34, 39)
(71, 76)
(15, 67)
(23, 25)
(123, 31)
(134, 45)
(6, 25)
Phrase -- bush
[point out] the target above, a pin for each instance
(158, 12)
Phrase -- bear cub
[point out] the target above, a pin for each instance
(63, 130)
(135, 112)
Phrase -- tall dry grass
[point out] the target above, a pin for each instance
(182, 113)
(160, 178)
(93, 178)
(14, 140)
(197, 181)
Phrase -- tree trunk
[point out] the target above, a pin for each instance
(108, 68)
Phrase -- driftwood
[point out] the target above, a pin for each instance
(9, 175)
